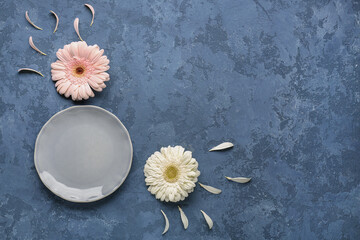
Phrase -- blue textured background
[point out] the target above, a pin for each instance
(278, 78)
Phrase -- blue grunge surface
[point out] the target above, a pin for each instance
(278, 78)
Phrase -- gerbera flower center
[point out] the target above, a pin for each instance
(79, 71)
(171, 174)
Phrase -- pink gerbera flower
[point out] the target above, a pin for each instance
(80, 68)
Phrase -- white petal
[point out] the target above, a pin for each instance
(222, 146)
(166, 222)
(184, 219)
(239, 179)
(207, 219)
(210, 189)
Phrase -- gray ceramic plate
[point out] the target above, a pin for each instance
(83, 153)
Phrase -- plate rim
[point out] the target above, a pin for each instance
(84, 106)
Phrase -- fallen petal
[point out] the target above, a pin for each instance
(76, 26)
(34, 47)
(92, 12)
(28, 19)
(239, 179)
(57, 20)
(166, 222)
(222, 146)
(207, 219)
(30, 70)
(210, 189)
(184, 219)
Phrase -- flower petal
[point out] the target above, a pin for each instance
(184, 219)
(76, 27)
(57, 20)
(96, 56)
(64, 87)
(32, 45)
(102, 85)
(96, 79)
(104, 76)
(60, 56)
(239, 179)
(74, 49)
(58, 65)
(210, 189)
(207, 219)
(69, 91)
(83, 92)
(82, 49)
(93, 84)
(28, 19)
(60, 82)
(92, 12)
(88, 90)
(75, 93)
(57, 75)
(166, 222)
(222, 146)
(30, 70)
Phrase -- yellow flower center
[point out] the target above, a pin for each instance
(79, 71)
(171, 174)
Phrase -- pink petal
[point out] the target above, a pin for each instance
(92, 12)
(74, 49)
(60, 82)
(60, 56)
(104, 76)
(83, 93)
(96, 79)
(102, 85)
(93, 53)
(75, 93)
(68, 51)
(93, 84)
(98, 56)
(103, 61)
(102, 68)
(58, 65)
(89, 51)
(83, 48)
(69, 91)
(67, 55)
(76, 27)
(64, 87)
(98, 89)
(79, 98)
(89, 91)
(57, 75)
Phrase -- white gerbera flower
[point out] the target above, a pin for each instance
(171, 174)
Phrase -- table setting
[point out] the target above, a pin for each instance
(179, 120)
